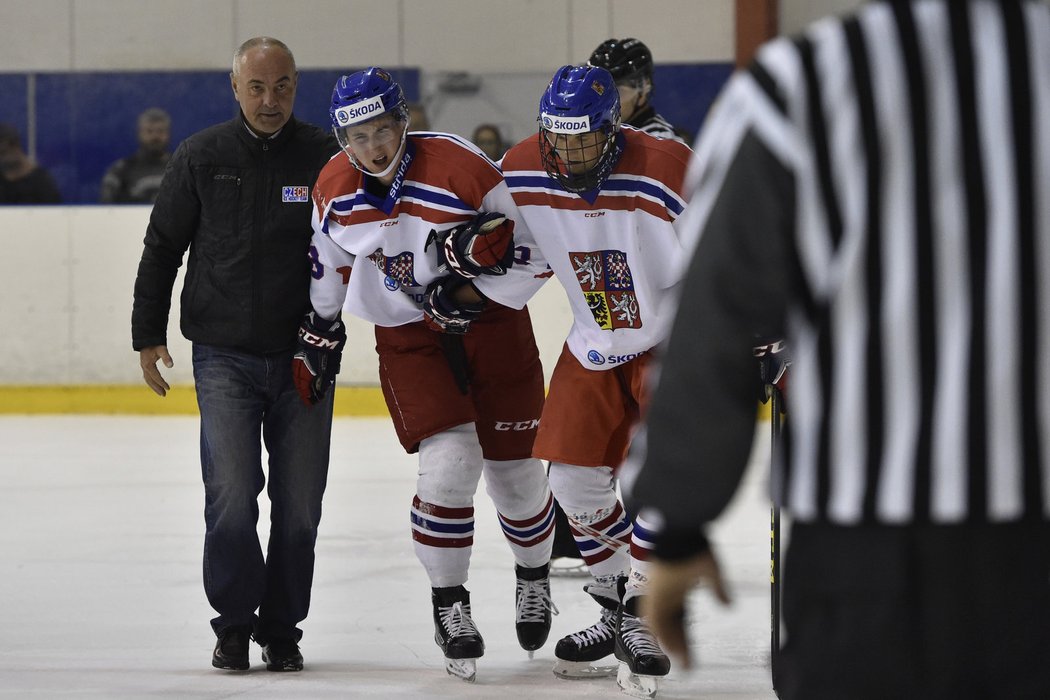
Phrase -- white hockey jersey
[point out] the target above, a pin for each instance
(442, 181)
(618, 256)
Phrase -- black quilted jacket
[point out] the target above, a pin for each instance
(241, 205)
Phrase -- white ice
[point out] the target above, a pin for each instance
(101, 532)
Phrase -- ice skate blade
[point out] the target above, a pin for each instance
(635, 685)
(464, 669)
(581, 670)
(569, 568)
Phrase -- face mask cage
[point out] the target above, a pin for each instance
(556, 159)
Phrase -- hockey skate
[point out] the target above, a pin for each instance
(455, 632)
(642, 661)
(578, 653)
(532, 598)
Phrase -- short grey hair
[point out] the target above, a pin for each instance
(264, 41)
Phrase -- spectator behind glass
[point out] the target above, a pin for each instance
(489, 140)
(417, 117)
(136, 179)
(22, 181)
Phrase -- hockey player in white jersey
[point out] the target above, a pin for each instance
(599, 203)
(630, 62)
(468, 403)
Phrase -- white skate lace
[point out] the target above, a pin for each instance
(600, 631)
(637, 637)
(534, 601)
(456, 620)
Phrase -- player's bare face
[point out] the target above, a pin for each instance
(264, 85)
(579, 153)
(375, 144)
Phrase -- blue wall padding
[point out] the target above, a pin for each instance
(85, 121)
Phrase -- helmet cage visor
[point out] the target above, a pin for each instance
(579, 162)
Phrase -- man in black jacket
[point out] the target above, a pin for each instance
(237, 195)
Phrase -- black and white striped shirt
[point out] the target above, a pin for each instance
(878, 189)
(652, 123)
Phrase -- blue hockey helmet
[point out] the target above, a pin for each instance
(579, 119)
(361, 97)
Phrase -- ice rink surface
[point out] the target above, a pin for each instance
(101, 533)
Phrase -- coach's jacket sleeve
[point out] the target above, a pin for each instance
(172, 226)
(700, 425)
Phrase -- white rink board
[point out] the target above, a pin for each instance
(67, 277)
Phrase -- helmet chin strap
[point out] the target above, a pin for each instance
(394, 162)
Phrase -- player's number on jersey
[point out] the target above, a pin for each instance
(317, 267)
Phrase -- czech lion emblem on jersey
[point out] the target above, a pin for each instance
(608, 286)
(397, 268)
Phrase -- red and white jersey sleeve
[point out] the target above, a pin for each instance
(618, 258)
(444, 181)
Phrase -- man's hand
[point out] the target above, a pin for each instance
(482, 246)
(663, 606)
(148, 362)
(316, 363)
(444, 312)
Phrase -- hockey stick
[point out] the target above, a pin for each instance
(774, 550)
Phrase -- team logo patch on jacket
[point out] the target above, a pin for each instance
(608, 286)
(295, 193)
(398, 269)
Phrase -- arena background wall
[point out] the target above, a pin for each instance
(75, 73)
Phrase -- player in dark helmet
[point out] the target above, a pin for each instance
(630, 62)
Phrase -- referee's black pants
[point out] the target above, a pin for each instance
(917, 612)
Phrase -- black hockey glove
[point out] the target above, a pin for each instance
(443, 313)
(316, 362)
(482, 246)
(773, 362)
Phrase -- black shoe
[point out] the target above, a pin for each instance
(282, 655)
(231, 649)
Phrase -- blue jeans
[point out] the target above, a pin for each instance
(245, 401)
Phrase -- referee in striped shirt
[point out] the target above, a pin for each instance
(877, 191)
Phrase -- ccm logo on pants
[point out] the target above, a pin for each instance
(517, 425)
